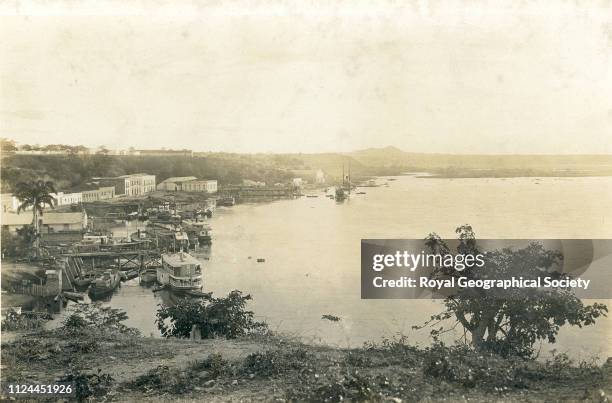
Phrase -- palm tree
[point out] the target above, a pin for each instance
(35, 194)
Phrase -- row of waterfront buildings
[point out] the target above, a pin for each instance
(122, 186)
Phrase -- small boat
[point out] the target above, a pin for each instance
(104, 285)
(148, 275)
(261, 260)
(84, 280)
(226, 201)
(180, 271)
(132, 216)
(199, 229)
(73, 296)
(129, 274)
(361, 193)
(312, 195)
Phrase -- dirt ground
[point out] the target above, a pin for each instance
(129, 359)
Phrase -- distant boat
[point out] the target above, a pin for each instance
(226, 201)
(312, 196)
(340, 194)
(104, 285)
(180, 271)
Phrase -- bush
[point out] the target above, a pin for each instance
(215, 317)
(163, 379)
(16, 321)
(214, 366)
(468, 367)
(88, 385)
(277, 362)
(350, 387)
(96, 319)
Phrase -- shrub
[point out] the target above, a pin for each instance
(23, 321)
(461, 364)
(277, 362)
(88, 385)
(163, 379)
(97, 319)
(215, 317)
(350, 387)
(214, 365)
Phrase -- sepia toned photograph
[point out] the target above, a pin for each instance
(324, 201)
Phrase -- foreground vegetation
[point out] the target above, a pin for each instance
(116, 366)
(107, 360)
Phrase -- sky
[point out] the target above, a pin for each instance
(424, 76)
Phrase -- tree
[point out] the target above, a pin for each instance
(37, 195)
(7, 145)
(215, 317)
(508, 322)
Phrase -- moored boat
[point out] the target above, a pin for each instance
(180, 272)
(199, 229)
(104, 285)
(148, 275)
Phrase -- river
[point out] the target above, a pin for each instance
(311, 248)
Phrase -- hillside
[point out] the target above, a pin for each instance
(462, 165)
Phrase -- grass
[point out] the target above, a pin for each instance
(273, 367)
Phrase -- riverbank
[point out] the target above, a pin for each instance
(272, 367)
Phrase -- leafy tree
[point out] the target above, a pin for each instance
(214, 316)
(36, 195)
(511, 321)
(7, 145)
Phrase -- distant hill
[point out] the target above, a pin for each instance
(75, 171)
(459, 165)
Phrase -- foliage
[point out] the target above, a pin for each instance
(178, 381)
(213, 366)
(88, 385)
(469, 368)
(352, 386)
(73, 171)
(215, 317)
(511, 321)
(163, 379)
(19, 244)
(23, 321)
(96, 318)
(277, 362)
(35, 195)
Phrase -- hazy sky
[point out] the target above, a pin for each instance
(439, 76)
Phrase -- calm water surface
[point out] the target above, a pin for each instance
(312, 251)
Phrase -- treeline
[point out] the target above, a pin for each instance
(71, 172)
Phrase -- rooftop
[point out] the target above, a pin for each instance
(179, 179)
(25, 218)
(179, 259)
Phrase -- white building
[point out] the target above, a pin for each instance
(174, 183)
(9, 203)
(205, 186)
(188, 184)
(66, 199)
(131, 185)
(50, 222)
